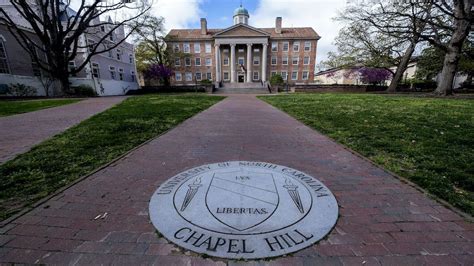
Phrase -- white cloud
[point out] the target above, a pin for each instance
(178, 14)
(302, 13)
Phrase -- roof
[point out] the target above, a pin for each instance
(241, 11)
(286, 33)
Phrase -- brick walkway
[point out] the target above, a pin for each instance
(383, 221)
(19, 133)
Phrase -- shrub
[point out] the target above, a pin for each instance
(206, 82)
(21, 90)
(276, 80)
(84, 90)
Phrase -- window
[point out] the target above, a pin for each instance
(274, 47)
(130, 58)
(95, 70)
(294, 75)
(285, 46)
(273, 73)
(209, 76)
(132, 74)
(197, 48)
(306, 60)
(72, 67)
(225, 50)
(177, 76)
(284, 60)
(256, 50)
(284, 75)
(255, 75)
(256, 60)
(307, 46)
(295, 60)
(112, 72)
(208, 48)
(226, 61)
(296, 46)
(208, 62)
(111, 36)
(189, 76)
(305, 75)
(121, 73)
(240, 50)
(34, 64)
(177, 62)
(226, 76)
(119, 53)
(176, 47)
(197, 61)
(241, 61)
(187, 61)
(111, 53)
(90, 45)
(198, 76)
(102, 28)
(274, 60)
(186, 48)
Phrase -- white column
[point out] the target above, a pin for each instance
(249, 62)
(232, 63)
(264, 62)
(218, 62)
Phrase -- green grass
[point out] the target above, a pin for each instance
(430, 141)
(18, 107)
(92, 143)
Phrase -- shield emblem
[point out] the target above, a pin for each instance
(242, 200)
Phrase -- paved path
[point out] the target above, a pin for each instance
(383, 221)
(19, 133)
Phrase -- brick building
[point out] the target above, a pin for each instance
(242, 54)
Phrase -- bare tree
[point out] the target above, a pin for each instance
(448, 27)
(59, 30)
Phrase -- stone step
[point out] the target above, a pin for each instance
(241, 91)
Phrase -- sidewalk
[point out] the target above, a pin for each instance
(104, 219)
(19, 133)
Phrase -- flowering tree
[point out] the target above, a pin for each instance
(160, 72)
(373, 76)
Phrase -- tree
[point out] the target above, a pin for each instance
(151, 48)
(160, 72)
(59, 30)
(383, 34)
(448, 27)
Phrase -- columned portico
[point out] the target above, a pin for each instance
(264, 62)
(232, 63)
(218, 62)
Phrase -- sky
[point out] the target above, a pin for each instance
(318, 14)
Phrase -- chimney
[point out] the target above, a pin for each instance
(203, 26)
(278, 25)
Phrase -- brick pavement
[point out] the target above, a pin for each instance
(104, 218)
(19, 133)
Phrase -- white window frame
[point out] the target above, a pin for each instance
(208, 61)
(118, 55)
(186, 61)
(132, 74)
(177, 61)
(176, 48)
(95, 66)
(274, 57)
(90, 45)
(307, 48)
(187, 75)
(274, 46)
(253, 75)
(273, 73)
(284, 75)
(240, 50)
(297, 46)
(303, 75)
(226, 73)
(178, 76)
(120, 71)
(197, 48)
(243, 61)
(283, 60)
(294, 78)
(224, 61)
(196, 61)
(198, 74)
(208, 47)
(293, 60)
(287, 46)
(209, 75)
(306, 62)
(256, 60)
(112, 72)
(186, 48)
(256, 50)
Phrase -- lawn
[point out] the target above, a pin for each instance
(430, 141)
(18, 107)
(92, 143)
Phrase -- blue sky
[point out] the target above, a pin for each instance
(318, 14)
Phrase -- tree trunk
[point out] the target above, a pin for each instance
(462, 26)
(402, 67)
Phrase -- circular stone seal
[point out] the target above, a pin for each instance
(243, 210)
